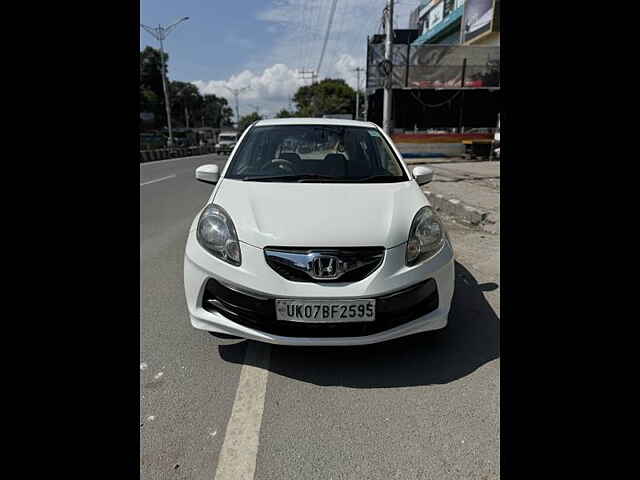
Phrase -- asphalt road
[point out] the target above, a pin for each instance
(425, 406)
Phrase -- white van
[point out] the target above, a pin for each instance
(226, 142)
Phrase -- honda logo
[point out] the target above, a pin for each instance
(326, 267)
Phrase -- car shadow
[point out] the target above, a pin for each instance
(470, 340)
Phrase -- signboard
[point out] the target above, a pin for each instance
(434, 67)
(436, 14)
(442, 66)
(478, 18)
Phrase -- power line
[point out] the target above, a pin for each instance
(302, 31)
(342, 14)
(326, 35)
(313, 30)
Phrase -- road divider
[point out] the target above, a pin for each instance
(180, 152)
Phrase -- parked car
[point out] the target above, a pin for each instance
(226, 142)
(330, 249)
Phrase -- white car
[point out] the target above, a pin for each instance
(337, 245)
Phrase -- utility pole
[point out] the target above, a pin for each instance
(160, 34)
(303, 75)
(358, 70)
(388, 45)
(256, 108)
(236, 92)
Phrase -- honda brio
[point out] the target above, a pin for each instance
(316, 233)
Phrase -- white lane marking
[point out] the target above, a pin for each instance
(160, 162)
(158, 179)
(240, 446)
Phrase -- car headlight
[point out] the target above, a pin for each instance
(426, 236)
(217, 234)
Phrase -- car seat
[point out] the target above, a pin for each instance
(335, 165)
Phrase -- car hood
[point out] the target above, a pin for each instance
(321, 214)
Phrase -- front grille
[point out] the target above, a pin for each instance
(259, 312)
(360, 262)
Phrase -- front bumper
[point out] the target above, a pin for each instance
(255, 278)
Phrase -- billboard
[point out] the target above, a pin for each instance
(477, 19)
(443, 66)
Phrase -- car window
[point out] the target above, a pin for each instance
(332, 153)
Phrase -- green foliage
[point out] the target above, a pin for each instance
(248, 120)
(151, 94)
(284, 113)
(330, 96)
(216, 111)
(150, 70)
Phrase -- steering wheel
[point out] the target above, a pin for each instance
(282, 163)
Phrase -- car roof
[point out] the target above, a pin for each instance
(313, 121)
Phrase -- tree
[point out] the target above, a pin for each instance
(248, 120)
(330, 96)
(216, 111)
(284, 113)
(185, 99)
(151, 93)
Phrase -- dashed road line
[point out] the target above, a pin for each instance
(158, 180)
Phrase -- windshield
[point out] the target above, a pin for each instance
(227, 138)
(322, 153)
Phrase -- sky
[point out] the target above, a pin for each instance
(264, 44)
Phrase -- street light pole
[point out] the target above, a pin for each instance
(388, 92)
(358, 70)
(160, 34)
(236, 92)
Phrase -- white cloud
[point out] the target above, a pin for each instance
(271, 90)
(299, 27)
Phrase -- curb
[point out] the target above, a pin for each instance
(455, 208)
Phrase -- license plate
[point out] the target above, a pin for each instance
(326, 311)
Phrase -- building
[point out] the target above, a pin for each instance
(440, 22)
(446, 67)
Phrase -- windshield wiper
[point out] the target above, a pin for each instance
(292, 178)
(269, 178)
(379, 179)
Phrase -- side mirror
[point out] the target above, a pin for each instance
(207, 174)
(423, 175)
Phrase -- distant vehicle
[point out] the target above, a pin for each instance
(226, 142)
(152, 141)
(207, 135)
(184, 137)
